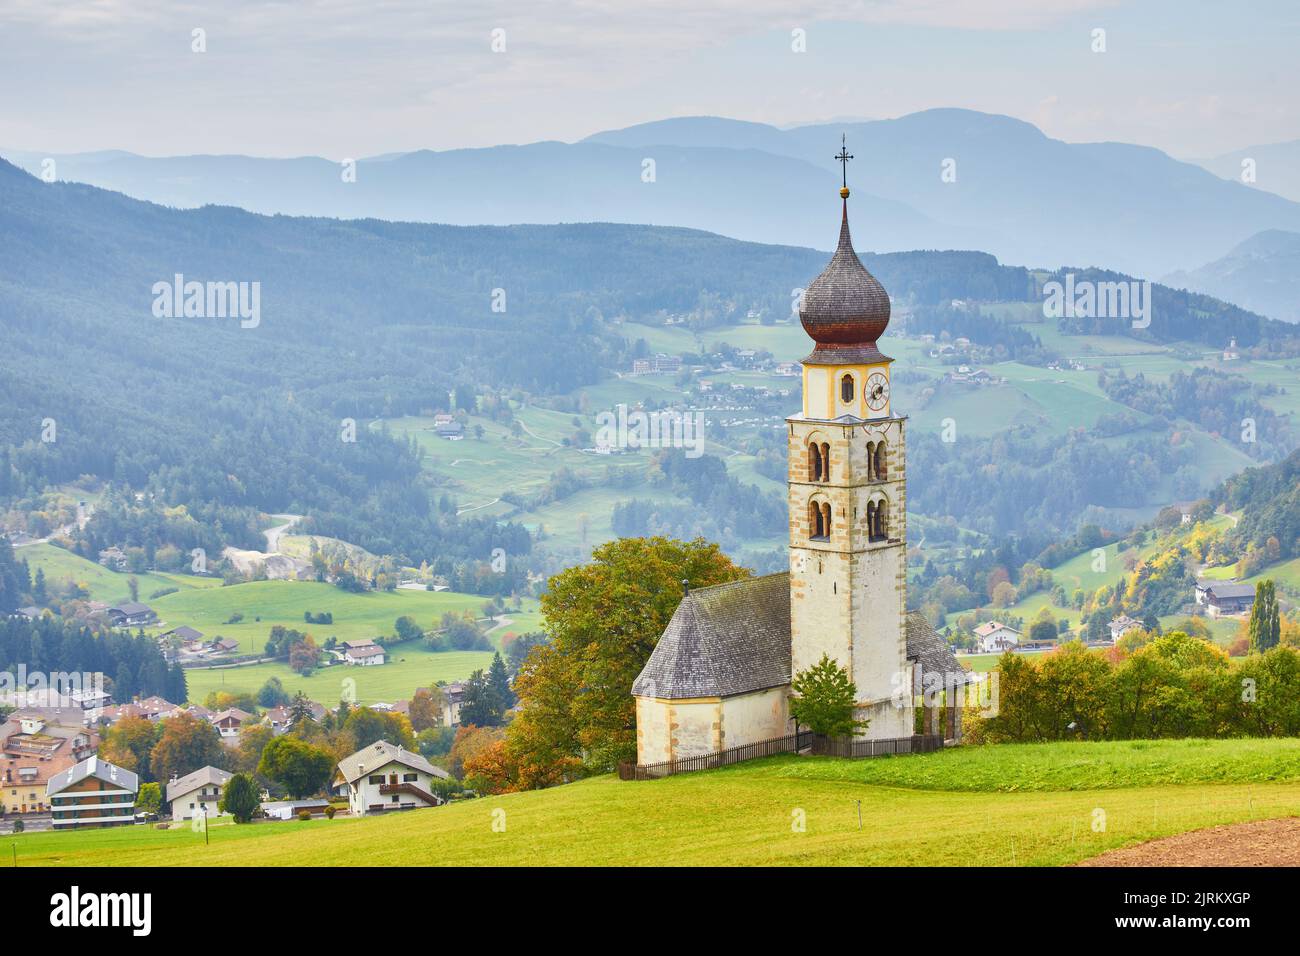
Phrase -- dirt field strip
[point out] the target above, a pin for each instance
(1258, 843)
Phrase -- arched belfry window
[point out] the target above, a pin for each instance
(846, 388)
(878, 520)
(819, 461)
(819, 520)
(880, 463)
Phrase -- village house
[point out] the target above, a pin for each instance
(93, 793)
(150, 708)
(186, 636)
(35, 745)
(385, 777)
(131, 614)
(453, 696)
(229, 721)
(202, 788)
(363, 653)
(1122, 625)
(1224, 597)
(994, 637)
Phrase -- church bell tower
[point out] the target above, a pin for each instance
(847, 495)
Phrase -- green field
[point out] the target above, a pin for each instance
(1026, 804)
(104, 585)
(409, 667)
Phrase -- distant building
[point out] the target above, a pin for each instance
(1230, 354)
(452, 431)
(288, 809)
(1224, 597)
(668, 363)
(131, 614)
(994, 637)
(187, 635)
(202, 788)
(229, 721)
(641, 367)
(454, 695)
(364, 653)
(93, 793)
(1122, 625)
(385, 777)
(113, 558)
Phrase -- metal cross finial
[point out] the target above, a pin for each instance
(844, 156)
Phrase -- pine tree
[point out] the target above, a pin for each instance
(823, 699)
(501, 682)
(39, 594)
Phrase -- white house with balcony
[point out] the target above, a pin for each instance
(386, 776)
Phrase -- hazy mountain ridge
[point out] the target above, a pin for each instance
(1018, 193)
(1261, 274)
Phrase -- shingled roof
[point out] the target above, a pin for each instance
(735, 638)
(723, 640)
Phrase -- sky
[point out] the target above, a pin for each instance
(355, 78)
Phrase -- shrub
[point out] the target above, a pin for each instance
(330, 811)
(304, 814)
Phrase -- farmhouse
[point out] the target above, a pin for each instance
(363, 653)
(720, 675)
(1122, 625)
(453, 696)
(994, 637)
(150, 708)
(131, 614)
(93, 793)
(202, 788)
(185, 635)
(1224, 597)
(384, 776)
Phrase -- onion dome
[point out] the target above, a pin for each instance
(845, 309)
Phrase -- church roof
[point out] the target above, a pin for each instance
(723, 640)
(735, 638)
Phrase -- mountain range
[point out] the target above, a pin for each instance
(1261, 274)
(937, 179)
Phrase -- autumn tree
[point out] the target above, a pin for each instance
(604, 619)
(186, 744)
(304, 655)
(128, 744)
(823, 700)
(426, 708)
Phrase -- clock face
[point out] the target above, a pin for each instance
(877, 391)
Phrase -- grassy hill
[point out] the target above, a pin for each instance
(1031, 804)
(60, 565)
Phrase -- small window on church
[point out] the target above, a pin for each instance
(846, 388)
(826, 461)
(881, 457)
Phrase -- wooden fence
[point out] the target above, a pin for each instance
(888, 747)
(823, 746)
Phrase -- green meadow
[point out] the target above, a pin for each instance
(104, 585)
(1024, 804)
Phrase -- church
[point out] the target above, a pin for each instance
(720, 675)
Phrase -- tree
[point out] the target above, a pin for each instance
(39, 594)
(426, 708)
(128, 744)
(604, 619)
(1043, 631)
(133, 585)
(501, 682)
(300, 712)
(240, 798)
(298, 766)
(823, 699)
(481, 705)
(304, 656)
(406, 629)
(272, 693)
(186, 744)
(149, 799)
(1265, 628)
